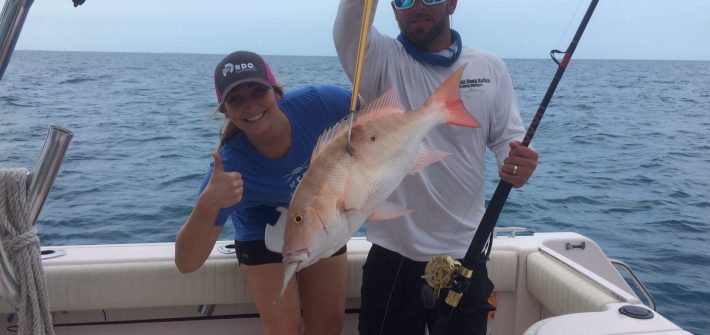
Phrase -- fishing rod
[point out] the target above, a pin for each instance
(478, 251)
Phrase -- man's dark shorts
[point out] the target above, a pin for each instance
(392, 283)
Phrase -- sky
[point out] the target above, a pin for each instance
(619, 29)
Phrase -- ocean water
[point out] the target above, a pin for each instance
(624, 154)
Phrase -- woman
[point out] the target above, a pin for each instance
(264, 150)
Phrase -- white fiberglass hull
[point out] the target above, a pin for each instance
(136, 289)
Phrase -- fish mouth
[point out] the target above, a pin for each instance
(255, 117)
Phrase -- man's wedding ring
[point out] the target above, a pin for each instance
(515, 170)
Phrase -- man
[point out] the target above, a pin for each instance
(447, 197)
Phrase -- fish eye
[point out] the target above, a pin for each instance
(298, 218)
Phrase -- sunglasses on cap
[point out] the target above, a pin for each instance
(406, 4)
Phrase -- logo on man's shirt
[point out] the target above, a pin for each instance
(476, 82)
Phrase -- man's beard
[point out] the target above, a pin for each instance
(421, 38)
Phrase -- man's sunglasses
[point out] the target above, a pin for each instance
(405, 4)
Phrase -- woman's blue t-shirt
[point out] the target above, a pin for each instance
(270, 183)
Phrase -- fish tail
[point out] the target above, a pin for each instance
(447, 98)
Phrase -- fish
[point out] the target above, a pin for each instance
(340, 191)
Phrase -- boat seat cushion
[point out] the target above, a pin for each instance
(562, 290)
(155, 282)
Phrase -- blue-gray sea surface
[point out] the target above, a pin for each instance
(624, 153)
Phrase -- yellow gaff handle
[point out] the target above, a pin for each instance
(364, 29)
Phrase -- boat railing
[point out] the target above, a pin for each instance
(510, 231)
(641, 287)
(12, 18)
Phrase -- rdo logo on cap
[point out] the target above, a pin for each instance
(229, 68)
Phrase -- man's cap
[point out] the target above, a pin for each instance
(238, 68)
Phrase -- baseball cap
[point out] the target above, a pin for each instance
(238, 68)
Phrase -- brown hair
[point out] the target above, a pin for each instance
(228, 130)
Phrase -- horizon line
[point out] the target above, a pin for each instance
(304, 55)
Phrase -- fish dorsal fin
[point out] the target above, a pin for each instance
(386, 104)
(329, 135)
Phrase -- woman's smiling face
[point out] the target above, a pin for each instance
(249, 107)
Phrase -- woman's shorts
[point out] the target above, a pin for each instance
(256, 253)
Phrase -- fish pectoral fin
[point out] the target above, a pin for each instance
(274, 234)
(355, 191)
(428, 157)
(324, 209)
(389, 210)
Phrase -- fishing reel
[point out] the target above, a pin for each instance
(443, 272)
(440, 272)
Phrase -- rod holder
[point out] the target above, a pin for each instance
(40, 181)
(12, 18)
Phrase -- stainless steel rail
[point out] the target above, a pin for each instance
(12, 18)
(39, 184)
(649, 299)
(48, 163)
